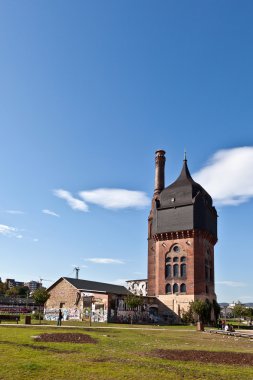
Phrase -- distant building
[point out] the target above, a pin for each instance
(19, 283)
(33, 285)
(138, 287)
(11, 283)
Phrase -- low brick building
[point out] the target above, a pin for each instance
(78, 298)
(81, 299)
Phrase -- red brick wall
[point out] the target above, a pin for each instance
(194, 248)
(63, 292)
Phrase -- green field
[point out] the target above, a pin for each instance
(118, 354)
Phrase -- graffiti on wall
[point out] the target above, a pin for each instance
(68, 314)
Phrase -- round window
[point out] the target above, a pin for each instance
(176, 248)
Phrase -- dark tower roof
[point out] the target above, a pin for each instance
(184, 205)
(183, 190)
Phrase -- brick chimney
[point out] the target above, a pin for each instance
(159, 171)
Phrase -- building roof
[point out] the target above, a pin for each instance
(183, 190)
(93, 286)
(184, 206)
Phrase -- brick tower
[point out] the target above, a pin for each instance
(182, 232)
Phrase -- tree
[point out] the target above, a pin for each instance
(187, 316)
(239, 310)
(133, 302)
(22, 290)
(250, 313)
(3, 288)
(216, 310)
(40, 296)
(199, 308)
(12, 292)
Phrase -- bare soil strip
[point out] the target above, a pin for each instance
(234, 358)
(66, 337)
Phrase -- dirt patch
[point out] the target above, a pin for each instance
(228, 358)
(65, 338)
(41, 348)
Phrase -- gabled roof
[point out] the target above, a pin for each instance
(93, 286)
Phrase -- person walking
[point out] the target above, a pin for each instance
(60, 316)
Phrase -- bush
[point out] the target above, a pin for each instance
(37, 315)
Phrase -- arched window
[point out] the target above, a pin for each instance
(167, 259)
(183, 259)
(182, 288)
(183, 270)
(175, 288)
(167, 270)
(175, 270)
(175, 259)
(168, 289)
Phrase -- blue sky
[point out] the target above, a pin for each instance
(88, 91)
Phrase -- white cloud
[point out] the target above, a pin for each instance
(104, 261)
(49, 212)
(14, 212)
(74, 203)
(228, 176)
(7, 230)
(116, 198)
(233, 284)
(35, 240)
(10, 231)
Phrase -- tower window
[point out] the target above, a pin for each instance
(182, 288)
(175, 288)
(175, 259)
(168, 289)
(168, 259)
(183, 270)
(176, 248)
(175, 270)
(167, 270)
(183, 259)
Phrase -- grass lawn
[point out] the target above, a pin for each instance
(118, 354)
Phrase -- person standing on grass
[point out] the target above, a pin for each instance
(60, 316)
